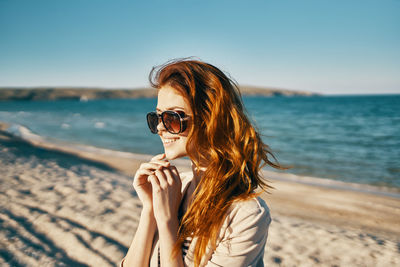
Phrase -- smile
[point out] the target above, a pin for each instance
(169, 141)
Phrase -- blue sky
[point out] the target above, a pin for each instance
(332, 47)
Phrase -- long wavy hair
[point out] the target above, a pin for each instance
(220, 135)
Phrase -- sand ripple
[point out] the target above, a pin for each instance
(57, 210)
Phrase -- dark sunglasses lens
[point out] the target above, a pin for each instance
(152, 121)
(172, 122)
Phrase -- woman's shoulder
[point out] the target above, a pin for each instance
(255, 205)
(253, 212)
(246, 221)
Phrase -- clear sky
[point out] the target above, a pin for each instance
(326, 46)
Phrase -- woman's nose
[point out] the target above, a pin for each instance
(160, 125)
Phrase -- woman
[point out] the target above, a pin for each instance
(210, 216)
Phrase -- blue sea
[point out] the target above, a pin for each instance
(347, 138)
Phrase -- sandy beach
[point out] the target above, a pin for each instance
(63, 207)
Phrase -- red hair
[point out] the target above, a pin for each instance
(221, 136)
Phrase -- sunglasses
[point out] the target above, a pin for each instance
(174, 122)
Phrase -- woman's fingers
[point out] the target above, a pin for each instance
(158, 157)
(141, 173)
(155, 184)
(169, 176)
(148, 168)
(152, 165)
(175, 173)
(163, 163)
(162, 179)
(165, 176)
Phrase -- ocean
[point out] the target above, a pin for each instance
(346, 138)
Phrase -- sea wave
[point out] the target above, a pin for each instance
(24, 134)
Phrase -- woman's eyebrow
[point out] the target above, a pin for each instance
(170, 108)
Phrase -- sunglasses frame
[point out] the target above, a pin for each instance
(182, 120)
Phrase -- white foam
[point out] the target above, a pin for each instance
(65, 126)
(99, 125)
(23, 132)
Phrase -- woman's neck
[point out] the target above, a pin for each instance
(197, 173)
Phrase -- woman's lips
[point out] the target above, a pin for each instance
(169, 141)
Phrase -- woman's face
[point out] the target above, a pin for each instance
(174, 144)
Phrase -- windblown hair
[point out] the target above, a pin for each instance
(220, 135)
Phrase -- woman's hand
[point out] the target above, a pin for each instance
(141, 183)
(167, 196)
(166, 184)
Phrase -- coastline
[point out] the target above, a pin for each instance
(84, 94)
(84, 195)
(125, 162)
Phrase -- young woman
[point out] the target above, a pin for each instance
(212, 215)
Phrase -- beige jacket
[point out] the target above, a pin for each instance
(242, 237)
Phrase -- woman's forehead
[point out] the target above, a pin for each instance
(170, 98)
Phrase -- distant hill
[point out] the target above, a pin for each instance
(263, 91)
(84, 94)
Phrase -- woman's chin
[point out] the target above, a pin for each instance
(171, 155)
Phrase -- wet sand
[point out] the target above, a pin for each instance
(59, 209)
